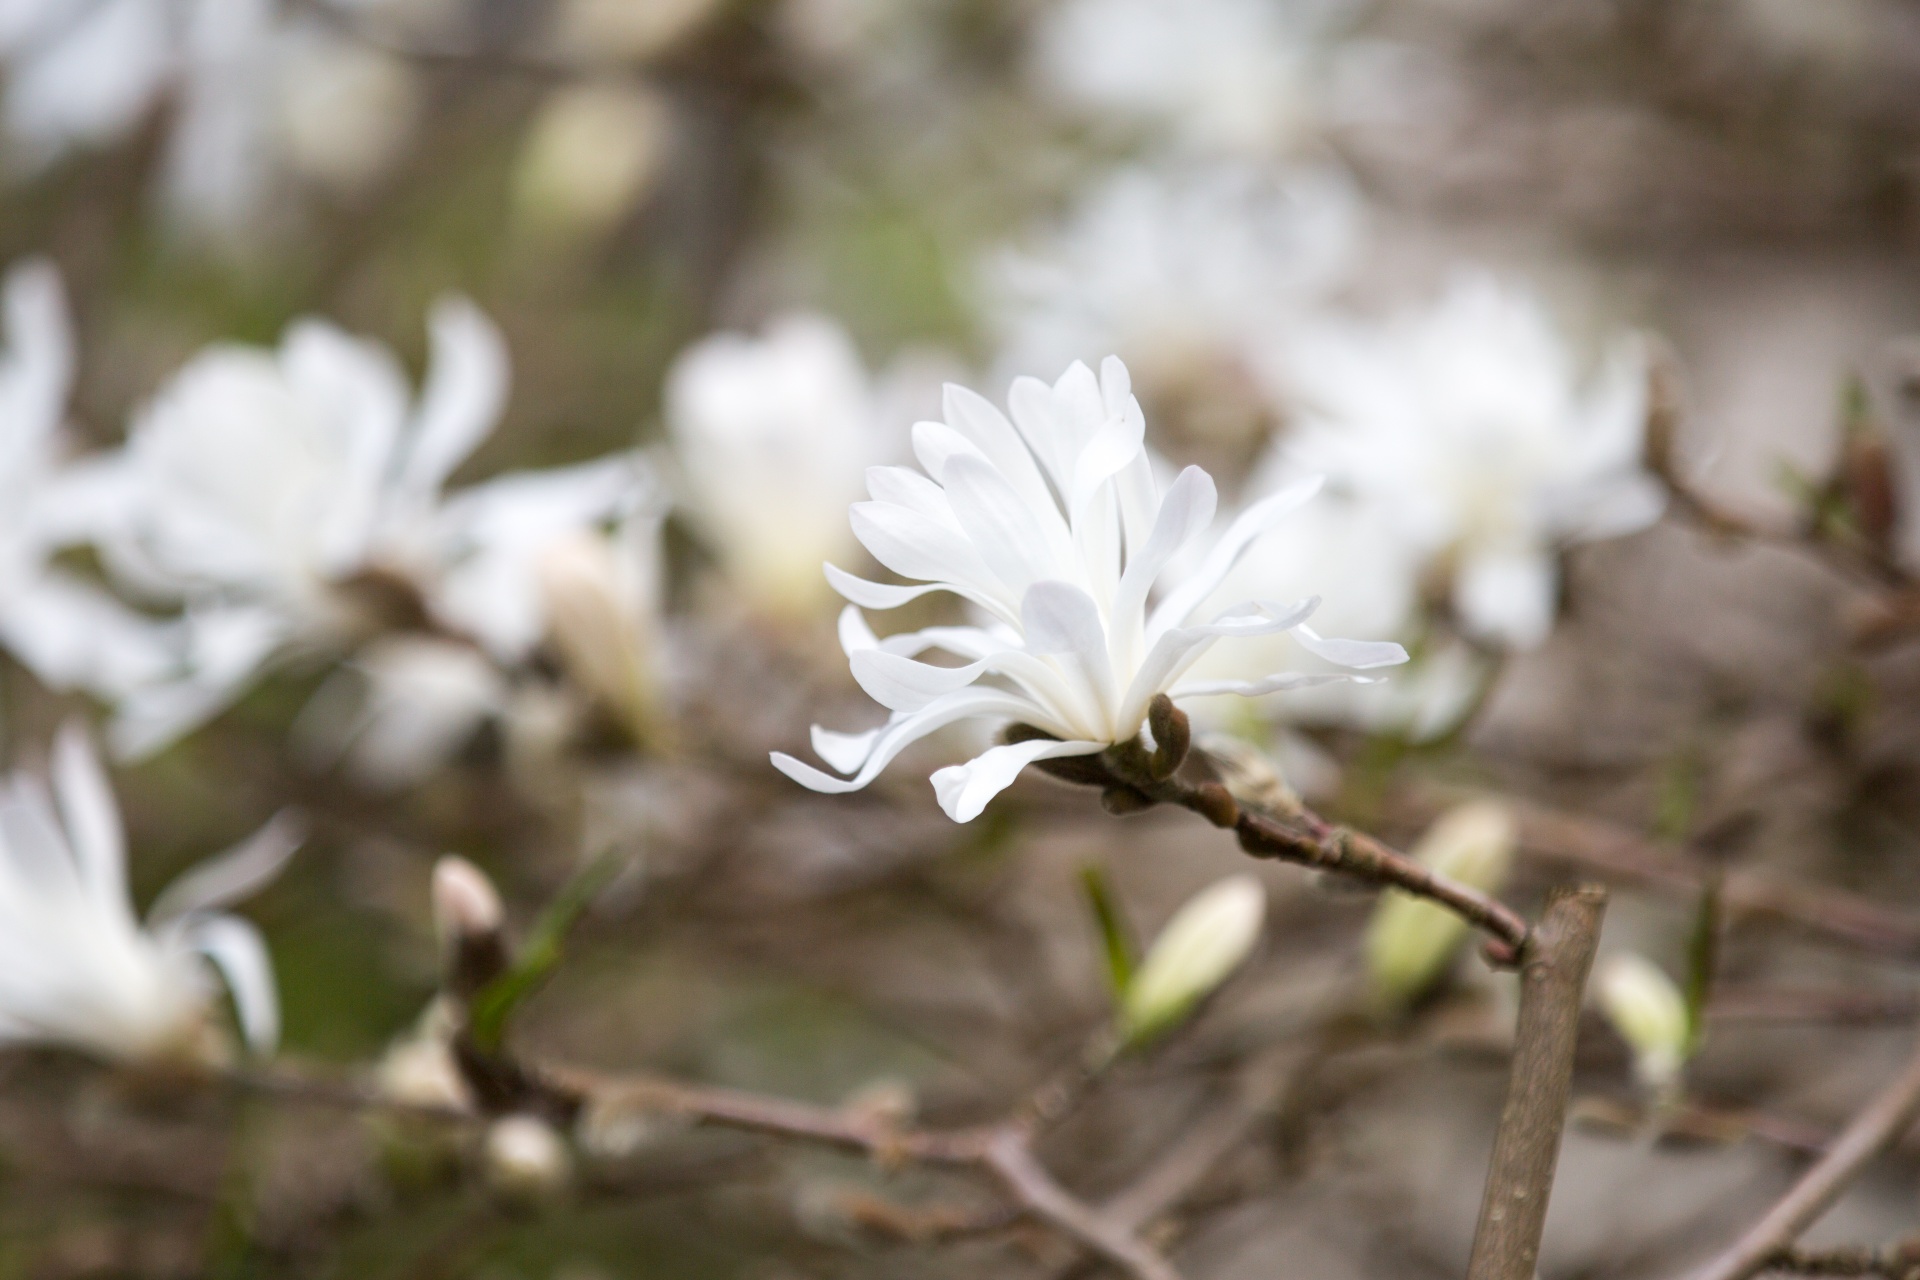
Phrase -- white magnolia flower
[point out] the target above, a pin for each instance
(78, 969)
(1218, 75)
(774, 436)
(1468, 426)
(256, 90)
(1055, 528)
(292, 498)
(1188, 273)
(68, 632)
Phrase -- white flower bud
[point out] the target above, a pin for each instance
(589, 155)
(1202, 945)
(526, 1160)
(418, 1068)
(1648, 1011)
(465, 903)
(1411, 942)
(599, 615)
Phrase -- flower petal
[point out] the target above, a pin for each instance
(1250, 524)
(1361, 655)
(902, 732)
(465, 391)
(901, 684)
(91, 817)
(240, 871)
(964, 789)
(237, 951)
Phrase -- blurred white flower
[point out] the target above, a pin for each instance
(68, 632)
(1468, 426)
(294, 498)
(1216, 75)
(1340, 550)
(1189, 273)
(526, 1159)
(256, 90)
(774, 436)
(1054, 526)
(400, 709)
(78, 969)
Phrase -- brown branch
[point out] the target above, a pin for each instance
(1134, 778)
(1624, 856)
(1553, 980)
(1876, 1128)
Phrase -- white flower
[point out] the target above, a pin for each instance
(1186, 272)
(1468, 427)
(1054, 527)
(292, 497)
(774, 436)
(1232, 75)
(77, 969)
(68, 632)
(255, 92)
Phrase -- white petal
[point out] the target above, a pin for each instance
(1185, 513)
(227, 877)
(855, 634)
(1250, 524)
(1358, 654)
(466, 390)
(964, 789)
(901, 733)
(901, 684)
(236, 949)
(845, 751)
(91, 817)
(1277, 683)
(876, 595)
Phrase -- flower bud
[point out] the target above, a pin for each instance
(1202, 945)
(1411, 942)
(599, 618)
(590, 154)
(526, 1161)
(465, 903)
(1648, 1011)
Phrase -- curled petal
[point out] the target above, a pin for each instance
(237, 951)
(902, 732)
(1360, 655)
(964, 789)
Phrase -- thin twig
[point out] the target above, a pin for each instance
(1876, 1128)
(1135, 778)
(1613, 850)
(1553, 979)
(1897, 1261)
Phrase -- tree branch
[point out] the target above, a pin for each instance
(1553, 980)
(1876, 1128)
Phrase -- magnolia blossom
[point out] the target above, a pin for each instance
(295, 498)
(256, 90)
(68, 632)
(1055, 528)
(1469, 429)
(1218, 75)
(774, 435)
(78, 969)
(1191, 273)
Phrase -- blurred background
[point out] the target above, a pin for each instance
(742, 245)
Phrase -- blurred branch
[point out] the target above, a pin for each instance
(1553, 981)
(1610, 849)
(1877, 1127)
(1897, 1261)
